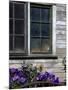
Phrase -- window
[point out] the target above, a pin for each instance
(40, 23)
(40, 28)
(17, 27)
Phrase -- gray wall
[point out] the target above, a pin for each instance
(51, 65)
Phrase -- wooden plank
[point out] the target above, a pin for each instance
(61, 7)
(61, 15)
(59, 60)
(61, 50)
(60, 27)
(61, 32)
(61, 41)
(60, 55)
(60, 23)
(60, 37)
(15, 61)
(15, 65)
(18, 65)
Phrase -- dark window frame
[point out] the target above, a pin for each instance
(32, 5)
(19, 35)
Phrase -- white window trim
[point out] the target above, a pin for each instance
(28, 28)
(53, 29)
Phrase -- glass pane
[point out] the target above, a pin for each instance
(35, 14)
(19, 26)
(45, 45)
(45, 29)
(11, 10)
(45, 15)
(19, 43)
(35, 29)
(35, 45)
(19, 11)
(11, 43)
(11, 26)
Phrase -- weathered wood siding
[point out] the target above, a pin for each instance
(61, 30)
(53, 65)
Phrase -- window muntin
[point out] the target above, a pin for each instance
(40, 23)
(17, 27)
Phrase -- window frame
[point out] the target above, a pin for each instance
(27, 29)
(23, 52)
(42, 7)
(53, 31)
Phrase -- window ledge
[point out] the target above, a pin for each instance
(16, 57)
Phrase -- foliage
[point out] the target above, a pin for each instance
(29, 74)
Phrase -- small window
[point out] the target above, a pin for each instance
(17, 27)
(40, 29)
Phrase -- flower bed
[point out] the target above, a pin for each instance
(29, 76)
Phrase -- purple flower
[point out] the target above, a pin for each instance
(13, 70)
(16, 77)
(22, 80)
(56, 81)
(37, 78)
(20, 73)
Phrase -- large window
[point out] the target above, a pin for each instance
(40, 23)
(17, 27)
(40, 28)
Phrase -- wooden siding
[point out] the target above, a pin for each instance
(61, 30)
(61, 38)
(53, 65)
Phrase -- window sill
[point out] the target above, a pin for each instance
(20, 57)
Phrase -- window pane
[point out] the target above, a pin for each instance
(45, 15)
(11, 26)
(19, 43)
(19, 11)
(35, 14)
(45, 45)
(11, 10)
(45, 29)
(35, 45)
(11, 42)
(19, 26)
(35, 29)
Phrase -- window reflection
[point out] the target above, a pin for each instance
(45, 29)
(35, 14)
(19, 43)
(45, 45)
(45, 15)
(19, 11)
(11, 26)
(19, 27)
(35, 29)
(35, 45)
(11, 42)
